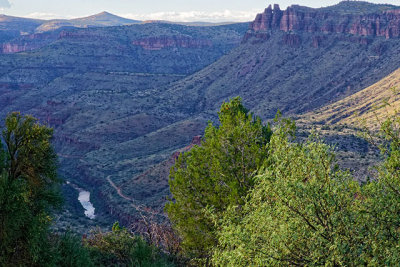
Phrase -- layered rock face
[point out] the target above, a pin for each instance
(11, 48)
(322, 21)
(28, 42)
(160, 42)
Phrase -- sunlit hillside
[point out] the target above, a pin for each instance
(368, 106)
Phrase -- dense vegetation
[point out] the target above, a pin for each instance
(219, 173)
(300, 209)
(29, 193)
(249, 195)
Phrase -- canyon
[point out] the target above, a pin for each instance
(125, 100)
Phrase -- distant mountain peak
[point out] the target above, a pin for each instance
(104, 14)
(103, 19)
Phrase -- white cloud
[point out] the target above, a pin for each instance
(191, 16)
(187, 16)
(4, 4)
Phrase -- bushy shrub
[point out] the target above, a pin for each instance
(121, 248)
(67, 250)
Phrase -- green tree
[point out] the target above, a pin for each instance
(216, 174)
(302, 212)
(67, 250)
(381, 205)
(28, 191)
(30, 154)
(121, 248)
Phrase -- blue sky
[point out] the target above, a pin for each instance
(177, 10)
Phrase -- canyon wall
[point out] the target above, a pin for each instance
(298, 19)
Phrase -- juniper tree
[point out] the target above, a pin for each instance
(217, 174)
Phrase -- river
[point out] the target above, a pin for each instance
(84, 199)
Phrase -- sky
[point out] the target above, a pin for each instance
(175, 10)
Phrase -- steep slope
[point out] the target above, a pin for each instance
(124, 99)
(99, 88)
(295, 70)
(368, 106)
(297, 60)
(283, 63)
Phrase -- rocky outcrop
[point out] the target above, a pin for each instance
(299, 19)
(161, 42)
(28, 43)
(11, 48)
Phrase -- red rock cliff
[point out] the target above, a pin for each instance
(27, 43)
(296, 19)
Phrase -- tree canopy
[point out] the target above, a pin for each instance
(304, 211)
(381, 200)
(28, 190)
(299, 213)
(216, 174)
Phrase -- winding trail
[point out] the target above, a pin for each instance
(118, 189)
(139, 208)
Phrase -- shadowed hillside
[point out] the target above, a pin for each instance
(297, 60)
(367, 106)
